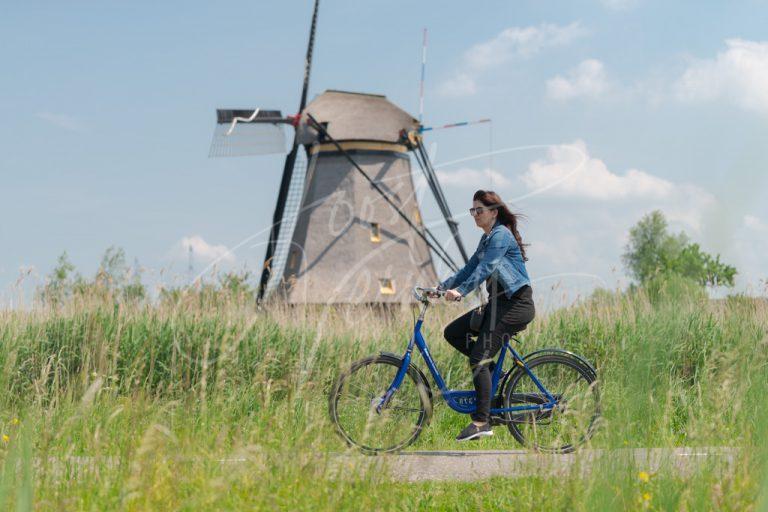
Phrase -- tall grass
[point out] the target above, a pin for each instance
(214, 406)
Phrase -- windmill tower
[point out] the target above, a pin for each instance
(350, 244)
(347, 226)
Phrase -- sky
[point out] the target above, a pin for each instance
(602, 112)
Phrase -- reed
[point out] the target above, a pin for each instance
(217, 404)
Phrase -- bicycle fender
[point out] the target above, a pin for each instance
(422, 376)
(562, 352)
(528, 357)
(503, 381)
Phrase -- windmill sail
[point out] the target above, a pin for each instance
(241, 132)
(290, 161)
(301, 170)
(429, 173)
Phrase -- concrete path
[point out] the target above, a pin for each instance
(481, 464)
(414, 466)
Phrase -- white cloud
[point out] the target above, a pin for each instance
(738, 74)
(746, 251)
(202, 251)
(63, 121)
(521, 42)
(588, 79)
(460, 85)
(688, 205)
(466, 176)
(563, 252)
(619, 5)
(755, 224)
(578, 227)
(510, 43)
(577, 175)
(594, 180)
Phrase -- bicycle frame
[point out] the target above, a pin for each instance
(462, 401)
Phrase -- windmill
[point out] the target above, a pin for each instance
(347, 226)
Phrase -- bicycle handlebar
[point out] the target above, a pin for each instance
(424, 294)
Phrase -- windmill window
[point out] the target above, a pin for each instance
(375, 232)
(386, 286)
(417, 216)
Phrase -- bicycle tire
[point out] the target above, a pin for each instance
(414, 390)
(516, 393)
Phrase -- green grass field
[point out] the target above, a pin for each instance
(136, 407)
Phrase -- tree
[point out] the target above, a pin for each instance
(113, 272)
(60, 282)
(653, 250)
(236, 284)
(113, 281)
(134, 291)
(650, 247)
(694, 263)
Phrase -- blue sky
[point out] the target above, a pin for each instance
(107, 109)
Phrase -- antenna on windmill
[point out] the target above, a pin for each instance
(423, 71)
(190, 266)
(423, 156)
(423, 129)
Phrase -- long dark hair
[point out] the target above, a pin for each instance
(492, 200)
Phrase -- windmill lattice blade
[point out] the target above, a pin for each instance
(247, 139)
(290, 216)
(241, 132)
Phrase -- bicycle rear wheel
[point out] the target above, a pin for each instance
(571, 422)
(353, 401)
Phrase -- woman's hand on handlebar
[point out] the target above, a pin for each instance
(452, 295)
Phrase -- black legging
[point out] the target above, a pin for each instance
(503, 318)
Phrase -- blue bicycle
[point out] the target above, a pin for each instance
(549, 399)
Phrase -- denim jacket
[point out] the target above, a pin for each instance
(497, 255)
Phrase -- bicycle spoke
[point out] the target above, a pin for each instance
(356, 413)
(366, 391)
(408, 409)
(571, 420)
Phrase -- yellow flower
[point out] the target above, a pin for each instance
(647, 496)
(6, 438)
(15, 421)
(644, 477)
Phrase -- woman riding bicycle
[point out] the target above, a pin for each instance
(499, 260)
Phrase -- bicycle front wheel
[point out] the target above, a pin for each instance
(353, 401)
(571, 422)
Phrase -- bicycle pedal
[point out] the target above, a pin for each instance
(497, 420)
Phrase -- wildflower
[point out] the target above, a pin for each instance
(647, 496)
(6, 438)
(644, 477)
(94, 375)
(15, 421)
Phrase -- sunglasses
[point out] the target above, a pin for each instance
(477, 211)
